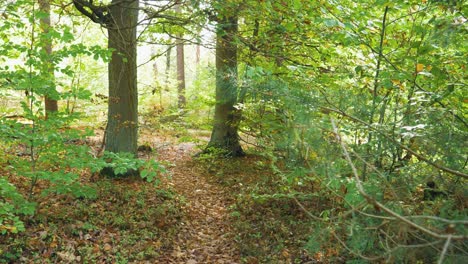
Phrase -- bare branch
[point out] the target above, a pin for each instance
(417, 155)
(373, 201)
(444, 251)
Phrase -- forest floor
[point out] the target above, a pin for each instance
(204, 210)
(222, 222)
(206, 234)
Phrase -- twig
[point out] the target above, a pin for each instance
(435, 218)
(374, 202)
(419, 156)
(354, 253)
(444, 251)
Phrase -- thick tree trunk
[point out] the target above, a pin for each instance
(45, 24)
(122, 127)
(226, 120)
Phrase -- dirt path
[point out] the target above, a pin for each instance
(205, 234)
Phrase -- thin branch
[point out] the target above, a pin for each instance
(353, 252)
(419, 156)
(373, 201)
(435, 218)
(444, 251)
(154, 56)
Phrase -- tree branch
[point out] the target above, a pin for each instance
(97, 14)
(417, 155)
(374, 202)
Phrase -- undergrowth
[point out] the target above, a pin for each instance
(270, 226)
(129, 220)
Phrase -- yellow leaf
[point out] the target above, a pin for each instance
(419, 67)
(428, 68)
(54, 243)
(107, 247)
(157, 244)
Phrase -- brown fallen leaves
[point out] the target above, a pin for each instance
(205, 234)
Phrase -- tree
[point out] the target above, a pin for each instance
(180, 68)
(49, 102)
(397, 97)
(121, 19)
(168, 67)
(225, 135)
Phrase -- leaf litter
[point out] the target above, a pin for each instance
(183, 220)
(206, 234)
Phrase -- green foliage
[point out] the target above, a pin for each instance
(121, 164)
(128, 222)
(391, 76)
(12, 204)
(52, 155)
(49, 151)
(200, 99)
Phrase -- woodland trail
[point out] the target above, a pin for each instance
(205, 234)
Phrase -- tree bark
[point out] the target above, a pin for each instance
(168, 67)
(122, 127)
(180, 75)
(180, 69)
(50, 104)
(197, 55)
(197, 60)
(226, 120)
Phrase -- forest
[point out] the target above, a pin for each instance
(233, 131)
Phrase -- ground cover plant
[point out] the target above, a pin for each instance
(233, 131)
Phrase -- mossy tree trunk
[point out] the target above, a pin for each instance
(122, 127)
(121, 19)
(226, 120)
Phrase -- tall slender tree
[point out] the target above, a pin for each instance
(168, 67)
(180, 68)
(50, 104)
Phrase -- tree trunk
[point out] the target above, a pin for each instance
(49, 103)
(180, 68)
(157, 85)
(197, 61)
(197, 55)
(180, 74)
(122, 127)
(168, 67)
(226, 120)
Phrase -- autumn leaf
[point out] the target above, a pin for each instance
(107, 247)
(419, 67)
